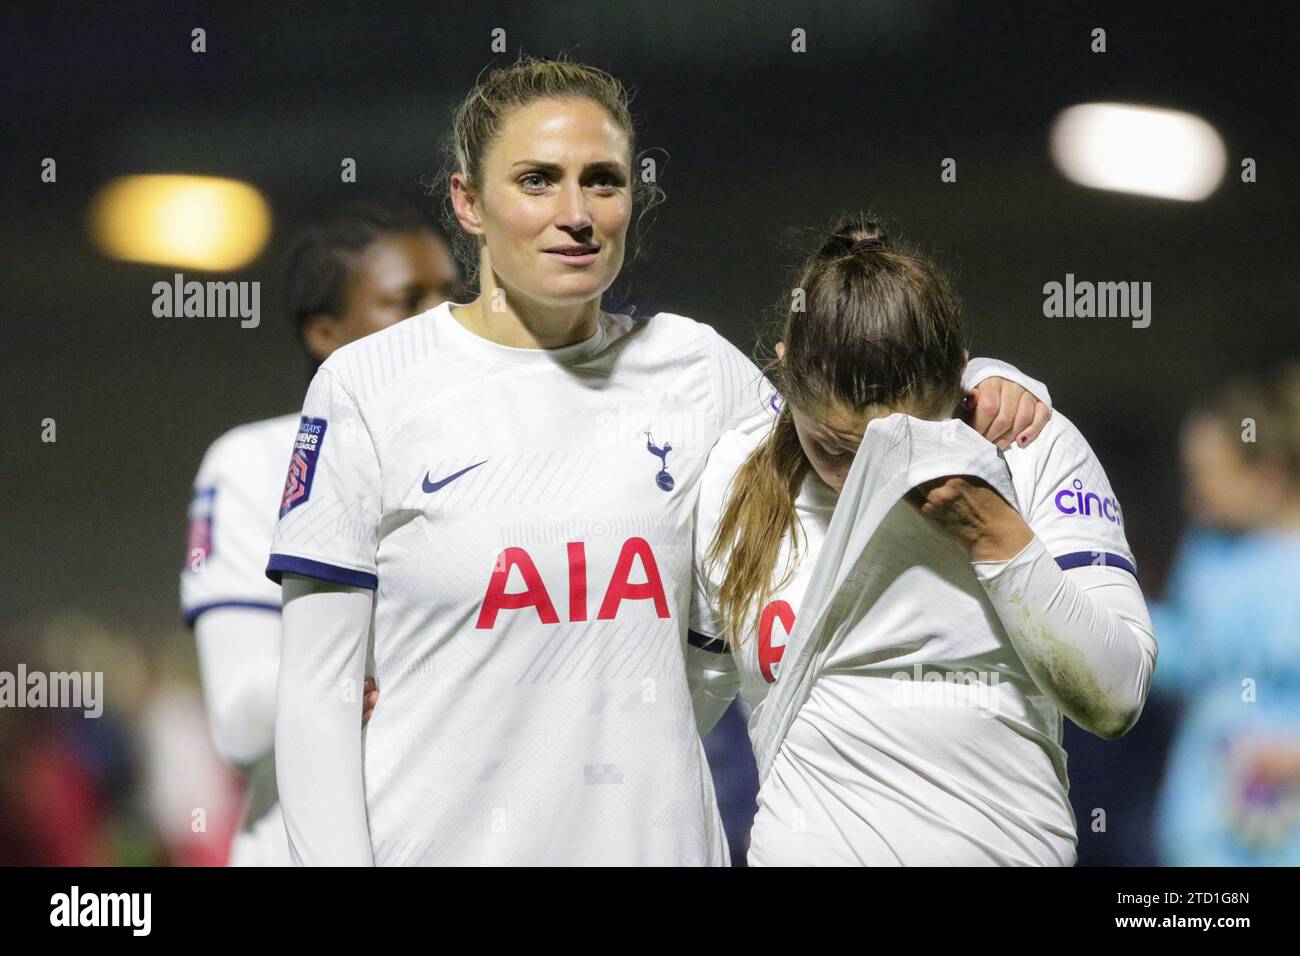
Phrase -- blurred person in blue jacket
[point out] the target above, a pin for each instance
(1230, 634)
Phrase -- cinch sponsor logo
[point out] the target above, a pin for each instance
(1075, 501)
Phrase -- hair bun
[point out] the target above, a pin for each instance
(869, 244)
(859, 232)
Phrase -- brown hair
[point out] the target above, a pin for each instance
(482, 114)
(871, 323)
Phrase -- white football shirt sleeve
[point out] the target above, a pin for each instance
(318, 722)
(747, 406)
(712, 674)
(703, 612)
(1070, 600)
(239, 659)
(744, 398)
(1084, 635)
(330, 509)
(1067, 499)
(227, 544)
(978, 369)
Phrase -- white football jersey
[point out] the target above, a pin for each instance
(231, 519)
(923, 741)
(525, 519)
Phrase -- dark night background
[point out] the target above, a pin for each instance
(763, 144)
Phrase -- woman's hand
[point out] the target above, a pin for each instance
(970, 510)
(369, 698)
(1005, 413)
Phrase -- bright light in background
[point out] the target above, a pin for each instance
(1139, 149)
(191, 221)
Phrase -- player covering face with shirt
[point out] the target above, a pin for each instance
(493, 504)
(921, 723)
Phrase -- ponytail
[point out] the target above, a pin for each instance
(758, 514)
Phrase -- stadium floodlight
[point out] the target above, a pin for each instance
(189, 221)
(1139, 149)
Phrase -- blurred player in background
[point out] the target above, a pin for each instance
(1230, 634)
(362, 268)
(1043, 610)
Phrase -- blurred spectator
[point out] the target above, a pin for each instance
(194, 800)
(1230, 634)
(122, 788)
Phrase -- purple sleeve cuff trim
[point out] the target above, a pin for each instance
(1081, 559)
(319, 570)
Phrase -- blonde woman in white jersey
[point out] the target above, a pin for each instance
(928, 731)
(493, 503)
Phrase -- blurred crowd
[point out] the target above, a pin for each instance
(141, 784)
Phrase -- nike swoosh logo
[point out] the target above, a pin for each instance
(432, 486)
